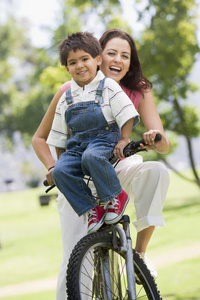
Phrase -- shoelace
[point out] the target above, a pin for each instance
(115, 203)
(92, 215)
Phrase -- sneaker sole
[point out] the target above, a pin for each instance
(115, 220)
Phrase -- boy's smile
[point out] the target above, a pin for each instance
(82, 66)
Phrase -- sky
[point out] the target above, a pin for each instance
(42, 13)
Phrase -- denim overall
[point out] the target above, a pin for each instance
(90, 146)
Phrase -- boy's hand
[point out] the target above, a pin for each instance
(118, 151)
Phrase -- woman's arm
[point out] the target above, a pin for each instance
(39, 139)
(152, 122)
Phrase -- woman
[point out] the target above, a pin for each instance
(145, 182)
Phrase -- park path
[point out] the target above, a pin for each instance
(170, 257)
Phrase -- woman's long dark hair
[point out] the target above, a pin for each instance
(134, 78)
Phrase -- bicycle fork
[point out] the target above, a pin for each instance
(125, 248)
(129, 259)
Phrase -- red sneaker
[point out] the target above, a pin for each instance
(116, 208)
(96, 218)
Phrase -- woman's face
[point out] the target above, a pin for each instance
(116, 58)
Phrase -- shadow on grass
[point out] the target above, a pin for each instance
(190, 203)
(176, 297)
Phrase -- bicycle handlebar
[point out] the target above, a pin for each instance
(134, 147)
(130, 149)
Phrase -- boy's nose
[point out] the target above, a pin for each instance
(79, 64)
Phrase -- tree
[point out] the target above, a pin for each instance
(30, 93)
(20, 66)
(168, 49)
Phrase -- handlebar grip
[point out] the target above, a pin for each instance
(45, 182)
(157, 139)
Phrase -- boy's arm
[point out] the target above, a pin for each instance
(59, 151)
(125, 139)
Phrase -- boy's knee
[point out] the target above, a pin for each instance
(87, 156)
(58, 170)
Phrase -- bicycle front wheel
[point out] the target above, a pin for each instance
(98, 271)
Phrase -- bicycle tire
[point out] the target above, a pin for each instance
(88, 251)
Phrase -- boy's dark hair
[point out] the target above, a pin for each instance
(79, 41)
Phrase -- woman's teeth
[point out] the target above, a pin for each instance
(115, 69)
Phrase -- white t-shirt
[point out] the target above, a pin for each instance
(116, 107)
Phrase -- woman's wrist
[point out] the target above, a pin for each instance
(164, 147)
(51, 168)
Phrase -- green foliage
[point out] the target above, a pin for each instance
(69, 21)
(189, 126)
(54, 77)
(20, 64)
(168, 49)
(171, 45)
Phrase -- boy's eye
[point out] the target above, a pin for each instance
(84, 59)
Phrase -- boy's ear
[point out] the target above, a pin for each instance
(66, 67)
(99, 59)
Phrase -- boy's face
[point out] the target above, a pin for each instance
(82, 66)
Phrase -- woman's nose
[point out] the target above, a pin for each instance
(117, 58)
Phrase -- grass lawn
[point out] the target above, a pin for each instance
(31, 241)
(47, 295)
(30, 237)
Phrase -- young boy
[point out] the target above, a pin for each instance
(99, 117)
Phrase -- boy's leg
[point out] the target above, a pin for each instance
(68, 177)
(95, 162)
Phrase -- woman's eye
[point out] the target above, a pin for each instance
(125, 56)
(111, 53)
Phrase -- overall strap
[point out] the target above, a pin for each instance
(98, 97)
(68, 97)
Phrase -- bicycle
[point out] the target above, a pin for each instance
(103, 265)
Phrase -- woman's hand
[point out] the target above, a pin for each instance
(161, 146)
(118, 151)
(49, 177)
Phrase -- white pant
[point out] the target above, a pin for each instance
(146, 183)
